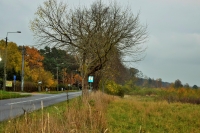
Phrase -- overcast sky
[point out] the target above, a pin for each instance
(173, 26)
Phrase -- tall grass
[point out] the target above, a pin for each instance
(133, 115)
(181, 95)
(102, 113)
(74, 116)
(145, 91)
(184, 95)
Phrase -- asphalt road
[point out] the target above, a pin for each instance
(10, 108)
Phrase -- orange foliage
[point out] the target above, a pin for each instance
(78, 78)
(33, 57)
(72, 79)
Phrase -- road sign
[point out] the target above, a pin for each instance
(14, 77)
(8, 83)
(91, 79)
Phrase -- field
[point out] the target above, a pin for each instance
(136, 114)
(142, 111)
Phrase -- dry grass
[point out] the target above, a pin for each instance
(102, 113)
(73, 117)
(136, 114)
(182, 95)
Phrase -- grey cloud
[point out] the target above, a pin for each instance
(173, 27)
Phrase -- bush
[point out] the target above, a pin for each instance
(114, 89)
(121, 92)
(60, 86)
(145, 91)
(28, 87)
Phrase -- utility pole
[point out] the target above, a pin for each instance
(22, 76)
(5, 65)
(5, 60)
(57, 77)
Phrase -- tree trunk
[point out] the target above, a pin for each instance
(84, 78)
(85, 87)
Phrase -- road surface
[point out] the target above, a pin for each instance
(10, 108)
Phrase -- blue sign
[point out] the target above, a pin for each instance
(90, 79)
(14, 77)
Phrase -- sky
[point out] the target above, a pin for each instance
(173, 26)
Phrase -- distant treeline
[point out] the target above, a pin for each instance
(151, 83)
(158, 83)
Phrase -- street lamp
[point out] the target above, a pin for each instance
(4, 81)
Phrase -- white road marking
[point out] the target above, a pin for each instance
(32, 100)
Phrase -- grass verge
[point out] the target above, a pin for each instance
(8, 95)
(74, 116)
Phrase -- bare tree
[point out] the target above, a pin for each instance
(92, 34)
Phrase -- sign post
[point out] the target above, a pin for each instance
(90, 80)
(14, 78)
(39, 85)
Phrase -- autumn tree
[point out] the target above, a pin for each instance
(90, 33)
(33, 57)
(2, 49)
(13, 60)
(34, 70)
(113, 70)
(33, 62)
(45, 77)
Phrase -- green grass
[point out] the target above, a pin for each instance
(145, 91)
(76, 115)
(182, 95)
(134, 115)
(131, 114)
(8, 95)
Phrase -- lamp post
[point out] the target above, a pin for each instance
(57, 67)
(22, 76)
(0, 61)
(5, 60)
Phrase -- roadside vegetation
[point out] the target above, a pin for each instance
(73, 116)
(183, 95)
(140, 114)
(8, 95)
(142, 110)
